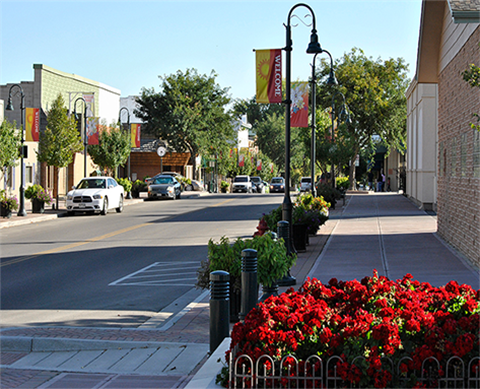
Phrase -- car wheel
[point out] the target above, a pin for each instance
(105, 206)
(120, 205)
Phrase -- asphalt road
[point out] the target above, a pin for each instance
(119, 269)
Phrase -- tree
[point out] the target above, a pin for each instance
(60, 140)
(189, 113)
(375, 96)
(10, 143)
(472, 76)
(113, 148)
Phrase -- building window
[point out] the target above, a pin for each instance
(28, 174)
(441, 165)
(453, 157)
(463, 155)
(476, 153)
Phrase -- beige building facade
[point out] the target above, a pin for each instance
(443, 157)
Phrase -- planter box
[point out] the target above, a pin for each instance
(38, 206)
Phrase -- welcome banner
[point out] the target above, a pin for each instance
(299, 107)
(269, 75)
(32, 126)
(135, 135)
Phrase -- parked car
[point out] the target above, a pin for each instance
(164, 186)
(258, 184)
(277, 185)
(305, 184)
(242, 184)
(173, 174)
(96, 195)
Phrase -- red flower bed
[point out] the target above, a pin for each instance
(374, 319)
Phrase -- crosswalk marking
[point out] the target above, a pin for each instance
(162, 274)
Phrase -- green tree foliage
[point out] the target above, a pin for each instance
(113, 148)
(189, 113)
(61, 139)
(472, 76)
(375, 96)
(10, 143)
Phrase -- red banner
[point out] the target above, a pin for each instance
(135, 134)
(92, 130)
(299, 107)
(269, 75)
(32, 125)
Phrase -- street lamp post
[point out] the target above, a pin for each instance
(330, 81)
(85, 136)
(313, 48)
(21, 209)
(333, 128)
(129, 138)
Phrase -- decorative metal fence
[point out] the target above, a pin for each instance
(315, 372)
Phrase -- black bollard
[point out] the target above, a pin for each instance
(219, 308)
(249, 282)
(283, 231)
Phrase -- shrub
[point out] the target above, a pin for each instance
(343, 183)
(273, 262)
(126, 183)
(406, 321)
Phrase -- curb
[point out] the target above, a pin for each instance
(29, 344)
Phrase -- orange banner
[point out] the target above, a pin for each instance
(269, 75)
(92, 130)
(299, 107)
(32, 126)
(135, 135)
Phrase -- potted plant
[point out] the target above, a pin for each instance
(137, 187)
(7, 204)
(127, 186)
(224, 185)
(39, 197)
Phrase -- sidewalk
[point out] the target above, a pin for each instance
(372, 231)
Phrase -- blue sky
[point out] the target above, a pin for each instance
(128, 44)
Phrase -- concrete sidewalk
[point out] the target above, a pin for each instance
(386, 232)
(382, 231)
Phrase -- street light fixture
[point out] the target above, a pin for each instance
(313, 48)
(85, 136)
(330, 81)
(21, 209)
(129, 196)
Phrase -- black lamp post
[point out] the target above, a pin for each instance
(330, 81)
(129, 139)
(313, 48)
(333, 127)
(85, 136)
(21, 209)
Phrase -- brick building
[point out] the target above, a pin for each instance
(443, 157)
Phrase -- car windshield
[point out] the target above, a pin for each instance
(241, 179)
(163, 180)
(307, 179)
(277, 181)
(256, 179)
(92, 184)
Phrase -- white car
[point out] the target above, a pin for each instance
(305, 184)
(242, 184)
(96, 195)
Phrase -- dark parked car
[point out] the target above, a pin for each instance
(258, 184)
(164, 187)
(277, 185)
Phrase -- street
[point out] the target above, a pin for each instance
(120, 269)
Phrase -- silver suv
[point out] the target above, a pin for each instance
(242, 184)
